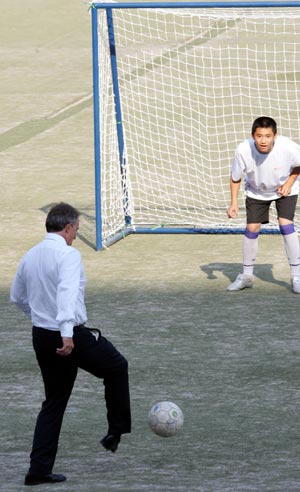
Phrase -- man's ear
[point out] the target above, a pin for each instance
(68, 227)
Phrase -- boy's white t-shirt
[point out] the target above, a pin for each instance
(264, 173)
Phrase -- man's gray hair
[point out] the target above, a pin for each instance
(60, 215)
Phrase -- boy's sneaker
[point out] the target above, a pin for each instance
(295, 283)
(243, 282)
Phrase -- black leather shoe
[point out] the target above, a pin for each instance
(110, 442)
(32, 479)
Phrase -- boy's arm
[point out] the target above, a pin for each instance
(234, 190)
(285, 188)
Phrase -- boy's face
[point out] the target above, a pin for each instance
(264, 139)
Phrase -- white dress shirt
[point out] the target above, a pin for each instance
(49, 286)
(264, 173)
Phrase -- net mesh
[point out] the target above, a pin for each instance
(191, 83)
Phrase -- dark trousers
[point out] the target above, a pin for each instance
(96, 356)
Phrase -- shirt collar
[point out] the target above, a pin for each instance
(52, 236)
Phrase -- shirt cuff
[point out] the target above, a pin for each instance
(66, 329)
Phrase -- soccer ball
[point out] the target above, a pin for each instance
(165, 419)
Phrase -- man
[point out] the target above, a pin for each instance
(49, 289)
(270, 164)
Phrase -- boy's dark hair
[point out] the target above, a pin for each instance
(264, 122)
(60, 215)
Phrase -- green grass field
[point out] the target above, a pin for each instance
(229, 360)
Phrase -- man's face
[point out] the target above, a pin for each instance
(71, 232)
(264, 139)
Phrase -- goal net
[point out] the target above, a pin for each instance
(176, 89)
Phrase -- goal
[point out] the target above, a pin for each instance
(176, 88)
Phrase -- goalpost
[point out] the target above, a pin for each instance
(176, 88)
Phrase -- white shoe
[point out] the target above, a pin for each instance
(295, 283)
(244, 282)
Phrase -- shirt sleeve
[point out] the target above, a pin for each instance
(18, 293)
(68, 291)
(295, 154)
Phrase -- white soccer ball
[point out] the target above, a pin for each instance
(165, 418)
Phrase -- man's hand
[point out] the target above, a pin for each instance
(67, 347)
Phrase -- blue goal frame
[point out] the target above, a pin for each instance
(109, 7)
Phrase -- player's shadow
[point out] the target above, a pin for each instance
(231, 270)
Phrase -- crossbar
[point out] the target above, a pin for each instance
(189, 5)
